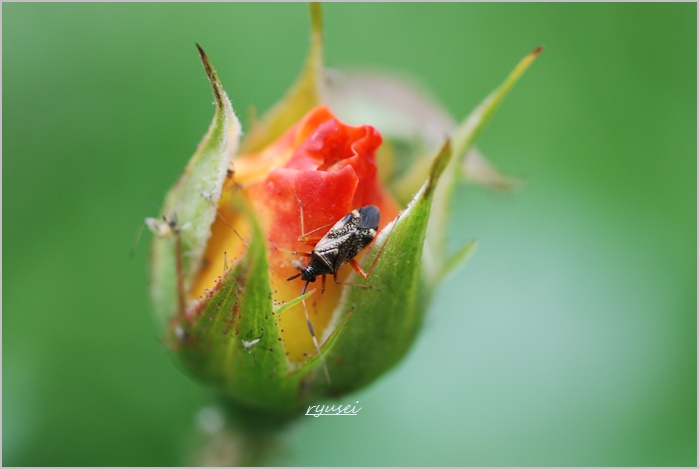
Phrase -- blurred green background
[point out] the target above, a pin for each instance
(568, 339)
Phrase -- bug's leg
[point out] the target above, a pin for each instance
(303, 228)
(227, 223)
(322, 285)
(220, 215)
(350, 284)
(313, 335)
(357, 268)
(312, 237)
(139, 232)
(296, 253)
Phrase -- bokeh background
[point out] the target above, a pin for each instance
(569, 338)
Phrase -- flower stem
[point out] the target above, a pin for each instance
(229, 435)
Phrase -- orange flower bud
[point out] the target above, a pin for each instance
(240, 224)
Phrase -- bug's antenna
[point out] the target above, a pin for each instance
(132, 252)
(313, 335)
(303, 229)
(228, 224)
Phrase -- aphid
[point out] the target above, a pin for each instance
(340, 245)
(250, 343)
(164, 228)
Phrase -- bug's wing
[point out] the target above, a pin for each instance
(326, 259)
(332, 245)
(334, 249)
(342, 226)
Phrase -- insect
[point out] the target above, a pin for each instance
(347, 238)
(340, 245)
(164, 228)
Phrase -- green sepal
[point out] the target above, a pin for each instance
(464, 136)
(232, 341)
(312, 369)
(190, 207)
(386, 317)
(455, 260)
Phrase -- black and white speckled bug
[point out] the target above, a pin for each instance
(340, 245)
(347, 238)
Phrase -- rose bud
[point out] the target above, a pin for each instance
(261, 254)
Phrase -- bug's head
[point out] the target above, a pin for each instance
(369, 217)
(306, 273)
